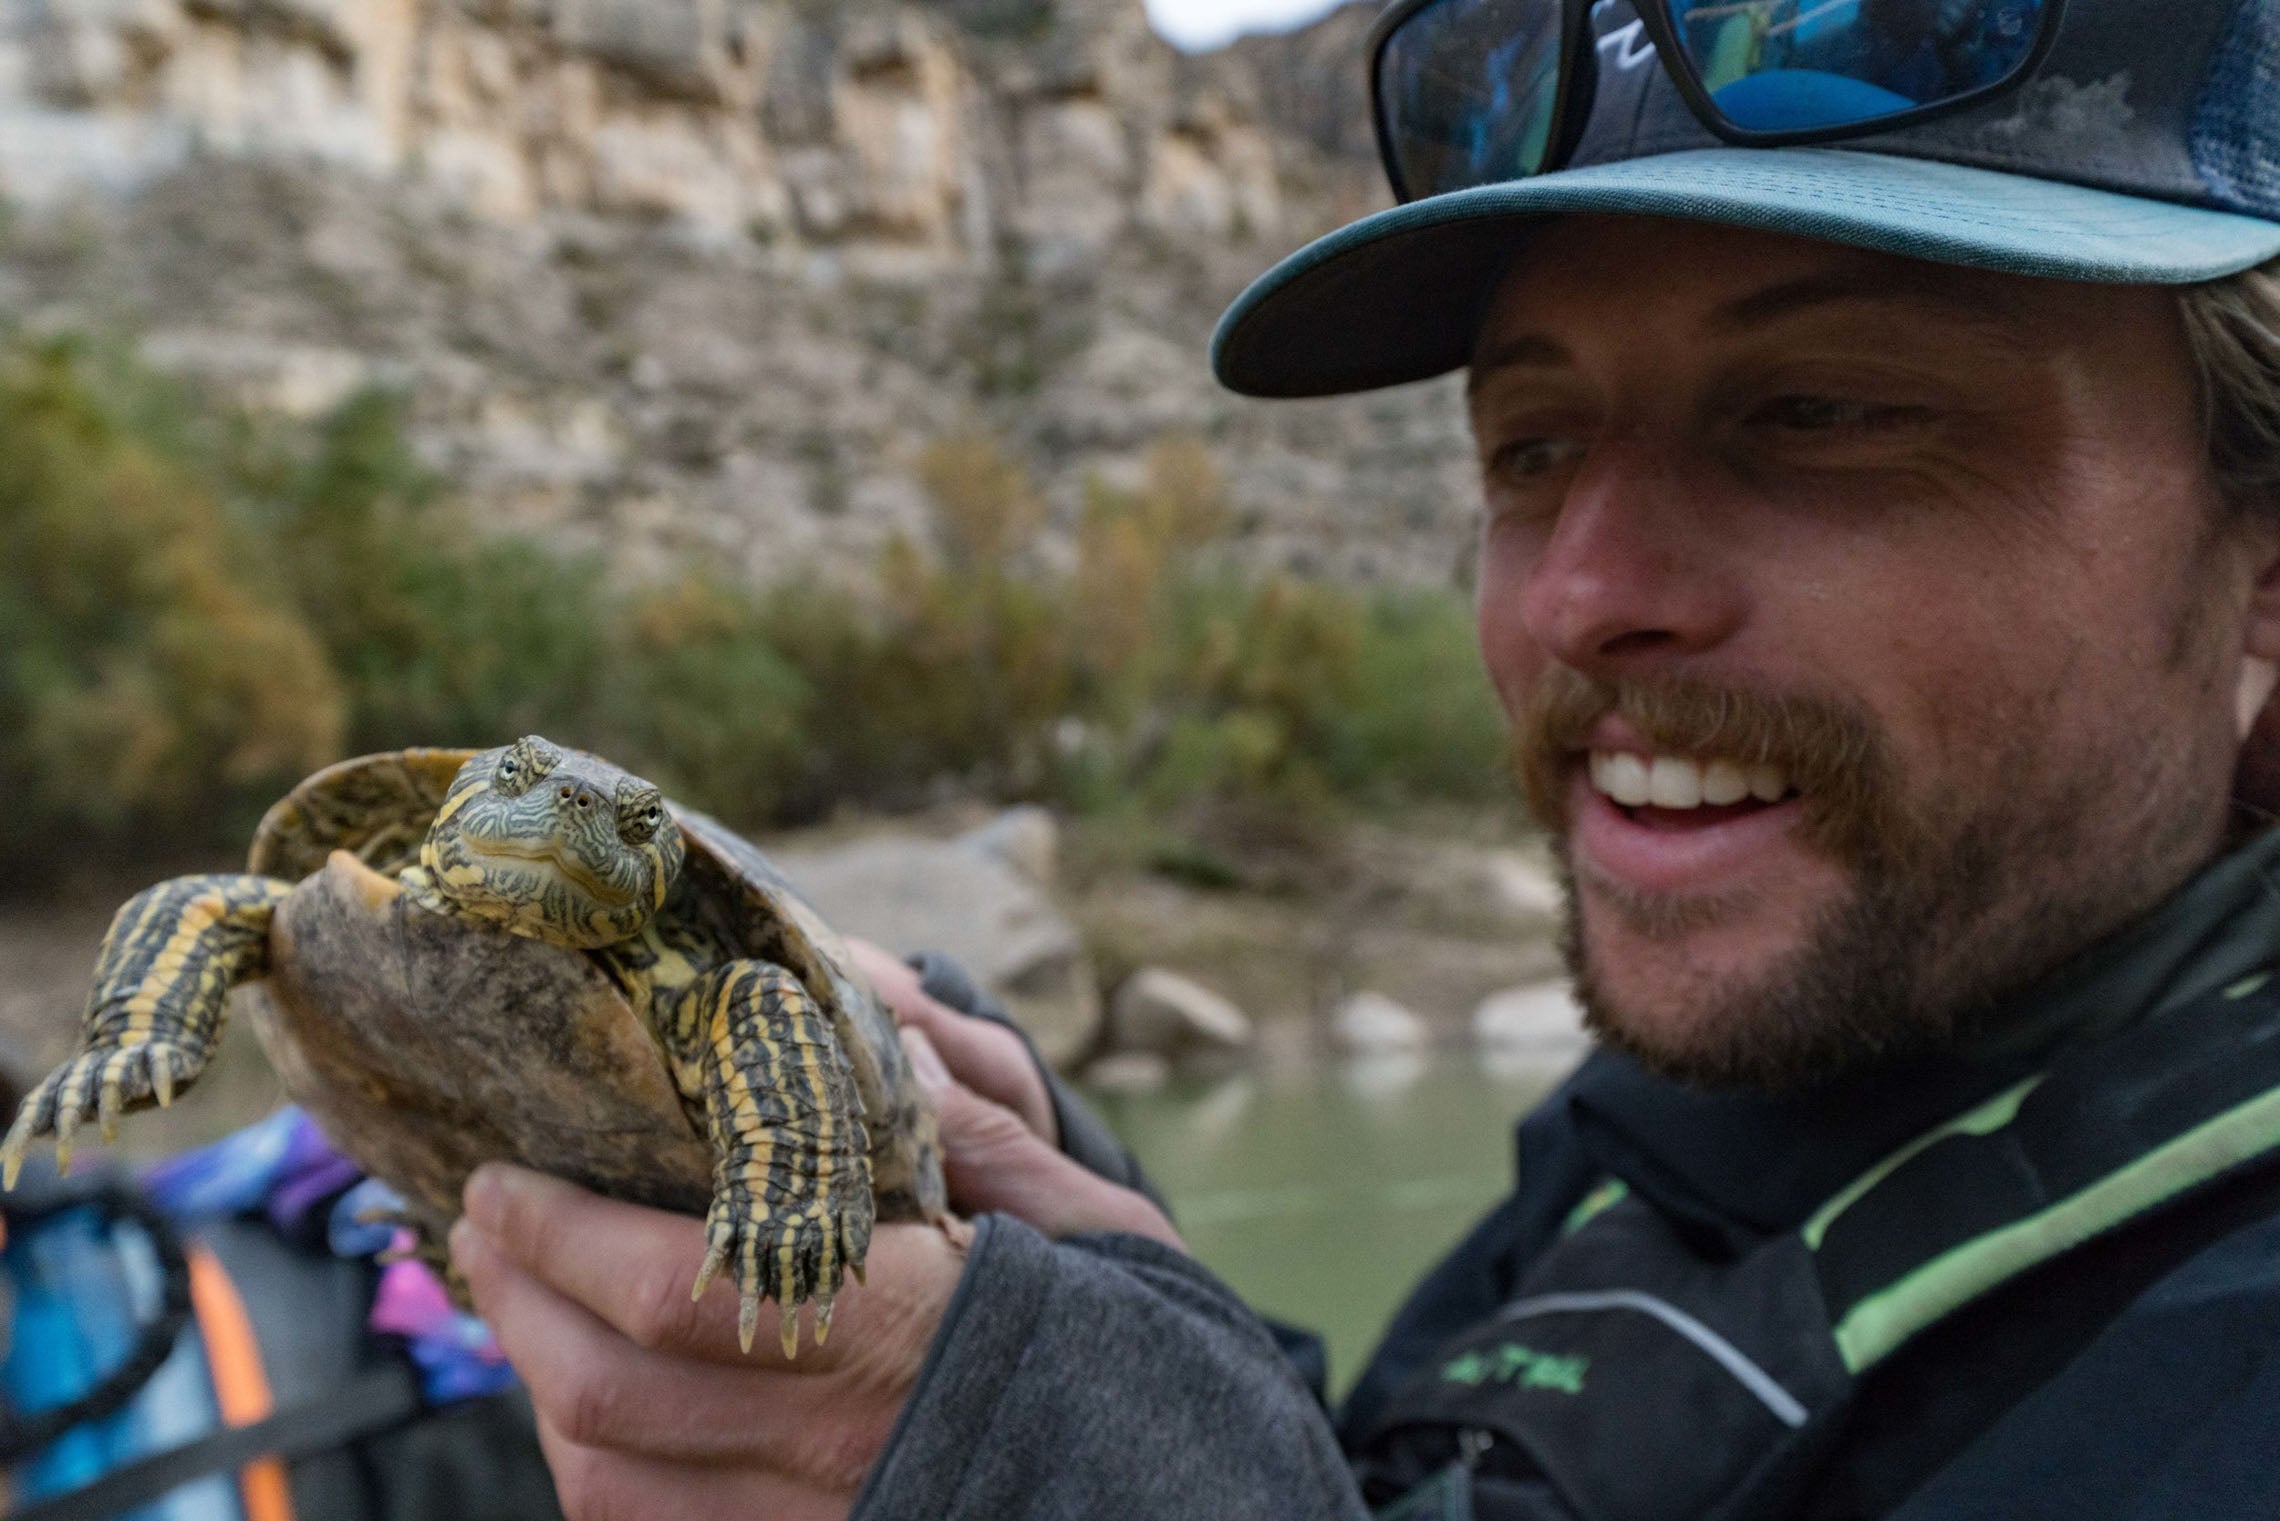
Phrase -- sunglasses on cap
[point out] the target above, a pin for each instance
(1481, 92)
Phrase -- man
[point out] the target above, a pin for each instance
(1881, 567)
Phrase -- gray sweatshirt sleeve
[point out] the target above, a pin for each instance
(1103, 1376)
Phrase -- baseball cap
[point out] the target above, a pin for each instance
(2144, 150)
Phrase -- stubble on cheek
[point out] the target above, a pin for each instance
(1955, 893)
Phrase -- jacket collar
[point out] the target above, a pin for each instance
(1737, 1166)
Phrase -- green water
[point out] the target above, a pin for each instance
(1322, 1196)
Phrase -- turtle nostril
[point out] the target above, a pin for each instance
(565, 793)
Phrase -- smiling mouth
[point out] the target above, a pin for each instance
(1683, 784)
(1679, 792)
(574, 872)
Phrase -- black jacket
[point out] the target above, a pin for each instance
(2137, 1376)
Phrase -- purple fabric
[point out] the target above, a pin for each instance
(457, 1355)
(284, 1169)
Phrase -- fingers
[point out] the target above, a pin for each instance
(994, 1162)
(601, 1484)
(890, 977)
(982, 1054)
(632, 1269)
(645, 1408)
(601, 1391)
(989, 1059)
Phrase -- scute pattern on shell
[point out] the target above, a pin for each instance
(377, 808)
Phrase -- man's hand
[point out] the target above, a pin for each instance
(645, 1407)
(983, 1055)
(996, 1164)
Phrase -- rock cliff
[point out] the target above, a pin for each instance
(680, 278)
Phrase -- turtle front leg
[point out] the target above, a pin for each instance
(791, 1212)
(162, 980)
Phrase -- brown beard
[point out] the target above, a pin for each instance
(1951, 905)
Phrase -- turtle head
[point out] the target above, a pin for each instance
(554, 845)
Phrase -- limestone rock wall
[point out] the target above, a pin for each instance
(699, 277)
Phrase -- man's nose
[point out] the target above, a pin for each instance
(1635, 570)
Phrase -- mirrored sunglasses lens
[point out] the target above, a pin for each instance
(1799, 65)
(1468, 88)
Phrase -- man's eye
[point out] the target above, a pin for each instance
(1526, 459)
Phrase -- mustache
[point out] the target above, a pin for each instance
(1835, 755)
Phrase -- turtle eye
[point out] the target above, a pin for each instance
(640, 814)
(523, 766)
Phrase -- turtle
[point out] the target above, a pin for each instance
(528, 953)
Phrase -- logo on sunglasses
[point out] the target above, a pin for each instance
(1625, 47)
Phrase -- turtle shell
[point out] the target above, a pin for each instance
(426, 1044)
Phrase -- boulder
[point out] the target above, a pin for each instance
(1370, 1024)
(1544, 1018)
(1028, 839)
(931, 895)
(1525, 887)
(1164, 1014)
(1128, 1072)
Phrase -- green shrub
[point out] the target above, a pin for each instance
(1422, 723)
(440, 635)
(148, 680)
(195, 610)
(701, 700)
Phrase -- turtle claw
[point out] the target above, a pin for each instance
(107, 1106)
(66, 1126)
(715, 1260)
(784, 1258)
(101, 1084)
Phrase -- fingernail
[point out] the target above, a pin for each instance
(925, 1061)
(457, 1244)
(485, 1196)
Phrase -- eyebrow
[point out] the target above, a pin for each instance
(1528, 351)
(1900, 285)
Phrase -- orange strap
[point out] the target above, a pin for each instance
(241, 1385)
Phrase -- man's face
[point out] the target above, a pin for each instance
(1871, 629)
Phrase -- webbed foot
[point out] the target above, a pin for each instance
(789, 1256)
(792, 1208)
(162, 980)
(104, 1082)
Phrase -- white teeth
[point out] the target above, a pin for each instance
(1724, 784)
(1671, 781)
(1623, 777)
(1674, 783)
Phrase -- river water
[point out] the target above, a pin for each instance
(1322, 1194)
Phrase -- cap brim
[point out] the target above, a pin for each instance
(1399, 296)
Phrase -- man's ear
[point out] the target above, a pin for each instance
(2260, 642)
(2258, 676)
(2256, 781)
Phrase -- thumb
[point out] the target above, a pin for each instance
(994, 1163)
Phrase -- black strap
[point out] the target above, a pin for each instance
(386, 1396)
(21, 1435)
